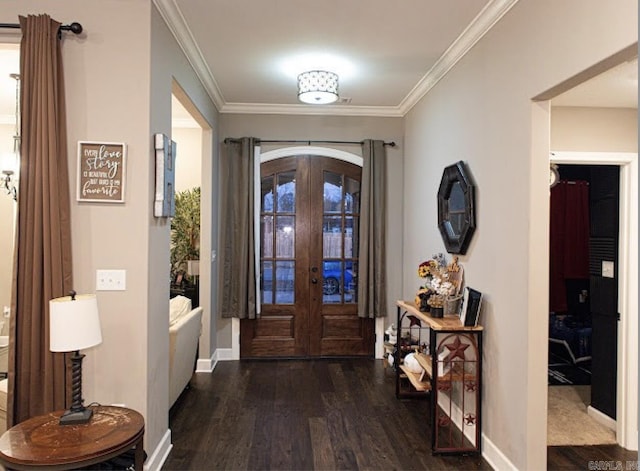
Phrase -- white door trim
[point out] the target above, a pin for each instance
(311, 150)
(627, 382)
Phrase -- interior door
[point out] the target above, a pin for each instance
(603, 268)
(309, 218)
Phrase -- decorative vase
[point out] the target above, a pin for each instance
(437, 312)
(452, 305)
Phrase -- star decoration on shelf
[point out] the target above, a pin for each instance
(470, 419)
(413, 320)
(444, 420)
(456, 349)
(471, 386)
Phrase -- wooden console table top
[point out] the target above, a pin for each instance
(41, 443)
(435, 323)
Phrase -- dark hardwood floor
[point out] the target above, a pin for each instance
(590, 457)
(324, 415)
(303, 415)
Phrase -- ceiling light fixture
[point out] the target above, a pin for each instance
(318, 87)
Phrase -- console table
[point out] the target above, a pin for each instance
(450, 357)
(41, 443)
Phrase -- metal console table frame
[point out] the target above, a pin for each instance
(452, 376)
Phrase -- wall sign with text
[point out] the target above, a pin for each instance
(101, 170)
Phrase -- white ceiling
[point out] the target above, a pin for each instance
(615, 88)
(388, 54)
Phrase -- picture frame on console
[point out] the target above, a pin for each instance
(471, 303)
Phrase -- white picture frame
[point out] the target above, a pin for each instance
(471, 304)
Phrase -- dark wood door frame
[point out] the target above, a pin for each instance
(311, 326)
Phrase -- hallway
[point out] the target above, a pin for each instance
(319, 414)
(303, 415)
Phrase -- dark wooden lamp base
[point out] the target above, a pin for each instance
(77, 417)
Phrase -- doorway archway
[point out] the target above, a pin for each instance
(627, 351)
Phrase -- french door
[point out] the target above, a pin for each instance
(309, 215)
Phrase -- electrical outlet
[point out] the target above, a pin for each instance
(111, 280)
(607, 269)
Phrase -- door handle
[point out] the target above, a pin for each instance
(314, 281)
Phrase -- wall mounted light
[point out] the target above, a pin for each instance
(9, 185)
(8, 182)
(318, 87)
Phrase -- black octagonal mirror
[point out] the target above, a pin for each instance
(456, 213)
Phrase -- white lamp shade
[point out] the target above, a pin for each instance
(74, 324)
(193, 267)
(318, 87)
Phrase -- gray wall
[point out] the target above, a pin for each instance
(483, 112)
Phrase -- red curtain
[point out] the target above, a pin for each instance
(569, 239)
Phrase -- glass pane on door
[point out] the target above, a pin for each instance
(352, 196)
(277, 244)
(339, 248)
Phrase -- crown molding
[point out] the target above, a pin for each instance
(481, 24)
(324, 110)
(178, 26)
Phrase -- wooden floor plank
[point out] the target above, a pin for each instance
(322, 450)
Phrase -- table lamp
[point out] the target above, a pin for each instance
(193, 269)
(74, 325)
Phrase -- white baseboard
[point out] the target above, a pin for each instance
(226, 354)
(235, 339)
(495, 457)
(207, 365)
(155, 461)
(633, 445)
(601, 418)
(379, 347)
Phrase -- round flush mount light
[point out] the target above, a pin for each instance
(318, 87)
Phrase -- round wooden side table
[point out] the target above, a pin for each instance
(41, 443)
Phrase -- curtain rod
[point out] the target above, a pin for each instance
(287, 141)
(75, 28)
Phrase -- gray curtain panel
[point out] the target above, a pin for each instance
(372, 297)
(237, 244)
(43, 270)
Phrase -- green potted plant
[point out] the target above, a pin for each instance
(185, 234)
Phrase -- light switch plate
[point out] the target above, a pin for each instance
(607, 269)
(111, 280)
